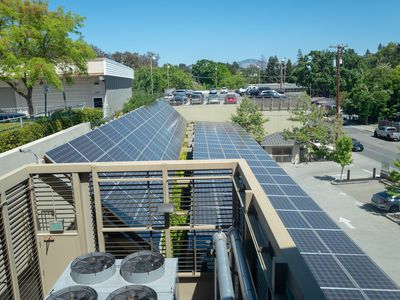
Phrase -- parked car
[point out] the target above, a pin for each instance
(357, 146)
(385, 201)
(388, 132)
(196, 99)
(213, 99)
(230, 99)
(224, 90)
(241, 91)
(270, 94)
(168, 97)
(213, 91)
(180, 97)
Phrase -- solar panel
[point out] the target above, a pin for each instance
(149, 133)
(154, 132)
(339, 266)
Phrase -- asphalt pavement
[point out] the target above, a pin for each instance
(377, 149)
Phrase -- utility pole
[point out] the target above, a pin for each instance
(151, 74)
(168, 77)
(283, 65)
(339, 51)
(216, 78)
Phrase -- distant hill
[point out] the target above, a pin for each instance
(248, 62)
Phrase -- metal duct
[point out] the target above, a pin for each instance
(223, 271)
(242, 267)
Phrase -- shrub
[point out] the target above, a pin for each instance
(92, 115)
(46, 126)
(138, 99)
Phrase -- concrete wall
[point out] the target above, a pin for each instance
(14, 159)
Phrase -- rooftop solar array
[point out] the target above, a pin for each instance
(149, 133)
(154, 132)
(341, 268)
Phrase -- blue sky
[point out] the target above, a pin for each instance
(183, 31)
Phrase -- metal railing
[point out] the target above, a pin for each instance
(20, 121)
(173, 207)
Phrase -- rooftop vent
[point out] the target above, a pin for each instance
(77, 292)
(133, 292)
(92, 268)
(142, 267)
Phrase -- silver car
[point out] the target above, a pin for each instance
(213, 99)
(385, 201)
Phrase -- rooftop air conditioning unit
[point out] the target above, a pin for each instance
(99, 276)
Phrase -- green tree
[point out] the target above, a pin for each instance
(36, 45)
(204, 71)
(316, 69)
(313, 126)
(375, 94)
(250, 118)
(342, 153)
(272, 72)
(177, 77)
(289, 72)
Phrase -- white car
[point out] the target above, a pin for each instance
(224, 90)
(168, 97)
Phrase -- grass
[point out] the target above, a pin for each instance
(4, 126)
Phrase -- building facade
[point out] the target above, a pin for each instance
(107, 86)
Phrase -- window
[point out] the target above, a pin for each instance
(98, 102)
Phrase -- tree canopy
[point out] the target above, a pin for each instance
(250, 118)
(313, 125)
(342, 153)
(36, 45)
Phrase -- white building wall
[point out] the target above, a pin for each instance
(113, 68)
(80, 92)
(119, 91)
(102, 72)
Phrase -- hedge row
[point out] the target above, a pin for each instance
(139, 98)
(45, 126)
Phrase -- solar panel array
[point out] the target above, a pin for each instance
(149, 133)
(154, 132)
(341, 268)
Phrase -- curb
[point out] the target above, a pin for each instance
(352, 181)
(391, 216)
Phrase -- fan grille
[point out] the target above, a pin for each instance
(142, 262)
(78, 292)
(92, 263)
(134, 292)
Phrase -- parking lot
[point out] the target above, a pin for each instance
(348, 205)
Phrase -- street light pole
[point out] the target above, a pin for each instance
(259, 75)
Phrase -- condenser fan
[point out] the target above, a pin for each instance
(133, 292)
(77, 292)
(142, 267)
(93, 268)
